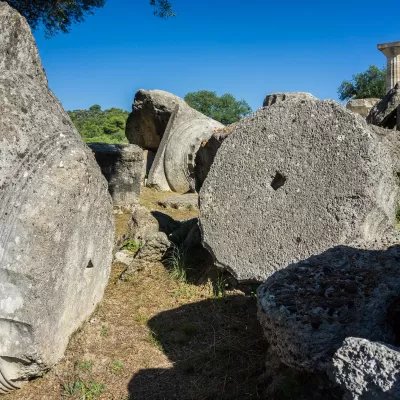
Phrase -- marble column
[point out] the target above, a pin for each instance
(392, 53)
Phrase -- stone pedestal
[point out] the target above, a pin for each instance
(392, 52)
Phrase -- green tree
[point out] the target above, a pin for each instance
(58, 15)
(371, 83)
(95, 125)
(225, 109)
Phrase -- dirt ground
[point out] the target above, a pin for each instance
(155, 337)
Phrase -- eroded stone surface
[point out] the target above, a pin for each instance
(367, 370)
(309, 308)
(284, 96)
(293, 180)
(56, 222)
(122, 167)
(17, 46)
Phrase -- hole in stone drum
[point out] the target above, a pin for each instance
(278, 181)
(90, 264)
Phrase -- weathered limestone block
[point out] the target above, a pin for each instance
(181, 201)
(122, 167)
(385, 113)
(293, 180)
(309, 308)
(151, 111)
(280, 97)
(56, 221)
(367, 370)
(173, 167)
(361, 106)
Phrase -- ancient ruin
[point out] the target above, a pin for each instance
(301, 177)
(122, 166)
(56, 222)
(392, 53)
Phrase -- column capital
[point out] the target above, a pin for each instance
(390, 49)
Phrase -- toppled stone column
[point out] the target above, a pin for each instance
(56, 221)
(173, 167)
(293, 180)
(392, 53)
(151, 111)
(122, 166)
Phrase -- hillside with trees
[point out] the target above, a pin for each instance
(96, 125)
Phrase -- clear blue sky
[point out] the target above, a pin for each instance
(247, 48)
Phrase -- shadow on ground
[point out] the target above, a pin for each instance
(217, 349)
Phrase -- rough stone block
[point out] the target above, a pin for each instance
(384, 113)
(284, 96)
(361, 106)
(309, 308)
(293, 180)
(367, 370)
(122, 167)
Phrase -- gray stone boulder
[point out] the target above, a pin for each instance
(173, 167)
(284, 96)
(386, 112)
(367, 370)
(295, 179)
(309, 308)
(122, 166)
(56, 220)
(361, 106)
(151, 111)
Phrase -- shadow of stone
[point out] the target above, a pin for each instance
(217, 349)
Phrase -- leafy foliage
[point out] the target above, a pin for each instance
(371, 83)
(225, 109)
(163, 8)
(55, 15)
(95, 125)
(131, 245)
(58, 15)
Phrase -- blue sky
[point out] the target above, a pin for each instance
(248, 48)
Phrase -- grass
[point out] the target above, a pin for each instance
(84, 390)
(117, 367)
(178, 264)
